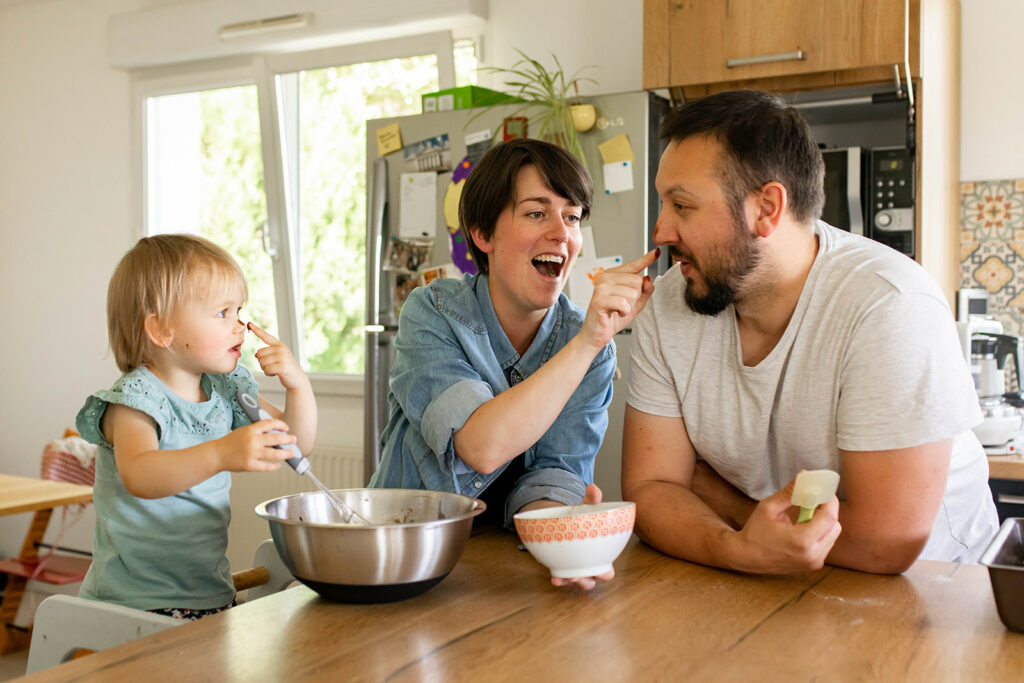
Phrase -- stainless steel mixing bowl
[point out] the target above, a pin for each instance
(413, 541)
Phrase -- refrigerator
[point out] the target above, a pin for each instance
(621, 221)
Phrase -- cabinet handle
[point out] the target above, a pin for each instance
(782, 57)
(1010, 500)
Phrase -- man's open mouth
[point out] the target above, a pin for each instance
(549, 264)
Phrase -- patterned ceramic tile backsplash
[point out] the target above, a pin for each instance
(992, 246)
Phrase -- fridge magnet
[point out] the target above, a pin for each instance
(452, 196)
(389, 139)
(434, 273)
(432, 154)
(477, 145)
(404, 284)
(407, 255)
(458, 248)
(513, 127)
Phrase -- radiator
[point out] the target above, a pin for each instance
(338, 467)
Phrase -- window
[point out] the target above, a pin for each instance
(205, 177)
(268, 158)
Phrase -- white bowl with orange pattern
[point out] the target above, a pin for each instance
(577, 540)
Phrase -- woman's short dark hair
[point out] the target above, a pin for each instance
(491, 185)
(764, 140)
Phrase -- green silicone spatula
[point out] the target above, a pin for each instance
(812, 488)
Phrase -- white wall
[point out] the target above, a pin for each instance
(992, 96)
(603, 33)
(64, 218)
(66, 205)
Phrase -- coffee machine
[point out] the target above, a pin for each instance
(986, 350)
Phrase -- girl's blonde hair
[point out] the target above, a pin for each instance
(156, 276)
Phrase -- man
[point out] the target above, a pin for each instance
(778, 344)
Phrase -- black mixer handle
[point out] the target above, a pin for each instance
(1009, 345)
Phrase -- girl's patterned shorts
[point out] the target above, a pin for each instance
(191, 614)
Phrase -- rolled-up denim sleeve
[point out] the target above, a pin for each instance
(432, 379)
(563, 459)
(450, 410)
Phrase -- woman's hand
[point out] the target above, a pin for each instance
(276, 360)
(591, 497)
(620, 294)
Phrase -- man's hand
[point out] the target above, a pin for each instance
(591, 497)
(727, 501)
(771, 543)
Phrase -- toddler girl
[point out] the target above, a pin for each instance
(170, 429)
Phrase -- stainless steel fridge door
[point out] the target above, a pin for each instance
(377, 335)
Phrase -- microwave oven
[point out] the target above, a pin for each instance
(870, 192)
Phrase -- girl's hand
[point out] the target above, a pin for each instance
(276, 360)
(251, 448)
(619, 295)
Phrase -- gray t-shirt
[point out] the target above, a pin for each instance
(870, 360)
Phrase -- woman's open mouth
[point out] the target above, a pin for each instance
(549, 265)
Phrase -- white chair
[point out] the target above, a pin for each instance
(66, 624)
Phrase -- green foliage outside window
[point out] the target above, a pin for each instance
(233, 204)
(334, 104)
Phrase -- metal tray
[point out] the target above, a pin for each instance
(1004, 558)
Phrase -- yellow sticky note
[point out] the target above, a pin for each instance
(616, 149)
(389, 139)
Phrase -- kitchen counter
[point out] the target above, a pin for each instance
(496, 617)
(1006, 467)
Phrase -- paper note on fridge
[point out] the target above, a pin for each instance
(581, 279)
(616, 149)
(588, 251)
(418, 210)
(618, 177)
(389, 139)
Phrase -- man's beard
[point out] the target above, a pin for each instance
(724, 269)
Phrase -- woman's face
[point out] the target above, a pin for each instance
(535, 242)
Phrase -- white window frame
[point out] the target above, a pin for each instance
(261, 70)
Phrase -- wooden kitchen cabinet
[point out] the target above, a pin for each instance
(687, 43)
(720, 41)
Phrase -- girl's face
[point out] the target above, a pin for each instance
(208, 333)
(531, 251)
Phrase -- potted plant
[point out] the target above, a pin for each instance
(544, 95)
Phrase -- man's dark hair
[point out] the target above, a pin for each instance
(491, 185)
(764, 140)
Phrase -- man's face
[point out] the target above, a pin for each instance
(712, 241)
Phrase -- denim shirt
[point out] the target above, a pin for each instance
(452, 356)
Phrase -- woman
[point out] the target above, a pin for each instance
(501, 385)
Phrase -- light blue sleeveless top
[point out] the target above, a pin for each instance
(164, 552)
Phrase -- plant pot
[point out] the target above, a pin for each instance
(583, 116)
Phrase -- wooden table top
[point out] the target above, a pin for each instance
(22, 494)
(496, 617)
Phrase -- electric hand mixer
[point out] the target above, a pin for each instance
(298, 462)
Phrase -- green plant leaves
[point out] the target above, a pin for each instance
(546, 99)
